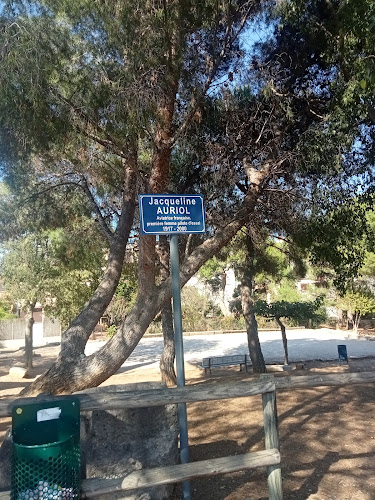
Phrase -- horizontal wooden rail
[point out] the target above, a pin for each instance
(323, 379)
(112, 400)
(107, 399)
(93, 488)
(115, 399)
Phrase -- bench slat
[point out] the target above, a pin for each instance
(230, 360)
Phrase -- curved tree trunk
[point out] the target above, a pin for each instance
(73, 373)
(74, 339)
(285, 340)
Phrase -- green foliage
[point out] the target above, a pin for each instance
(204, 324)
(336, 239)
(5, 310)
(368, 268)
(297, 311)
(111, 330)
(195, 307)
(212, 268)
(60, 269)
(200, 314)
(358, 302)
(287, 292)
(124, 296)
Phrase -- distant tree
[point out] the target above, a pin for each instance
(368, 268)
(357, 302)
(52, 269)
(298, 311)
(23, 269)
(195, 304)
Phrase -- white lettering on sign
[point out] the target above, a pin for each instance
(172, 210)
(172, 201)
(165, 213)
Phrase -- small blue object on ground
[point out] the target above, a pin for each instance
(343, 353)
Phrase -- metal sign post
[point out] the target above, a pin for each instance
(177, 320)
(174, 215)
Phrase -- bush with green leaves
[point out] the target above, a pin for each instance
(5, 310)
(111, 330)
(357, 302)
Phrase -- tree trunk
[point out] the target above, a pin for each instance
(255, 350)
(29, 336)
(356, 320)
(247, 303)
(77, 372)
(285, 340)
(74, 339)
(167, 370)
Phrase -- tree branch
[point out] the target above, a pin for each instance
(51, 188)
(227, 43)
(107, 232)
(109, 143)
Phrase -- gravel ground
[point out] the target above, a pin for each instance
(303, 345)
(326, 433)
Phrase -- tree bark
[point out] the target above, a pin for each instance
(356, 320)
(74, 339)
(247, 303)
(29, 319)
(255, 350)
(167, 370)
(285, 340)
(77, 372)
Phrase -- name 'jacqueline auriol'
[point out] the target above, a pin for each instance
(172, 205)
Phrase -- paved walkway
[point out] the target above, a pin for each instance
(303, 345)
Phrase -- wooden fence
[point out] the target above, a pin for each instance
(270, 457)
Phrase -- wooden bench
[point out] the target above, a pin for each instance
(235, 359)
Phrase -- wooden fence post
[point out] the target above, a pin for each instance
(274, 479)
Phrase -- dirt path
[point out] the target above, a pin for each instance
(327, 434)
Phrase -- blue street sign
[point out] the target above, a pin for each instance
(172, 214)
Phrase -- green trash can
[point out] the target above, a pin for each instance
(46, 450)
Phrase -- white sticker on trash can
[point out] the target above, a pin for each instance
(48, 414)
